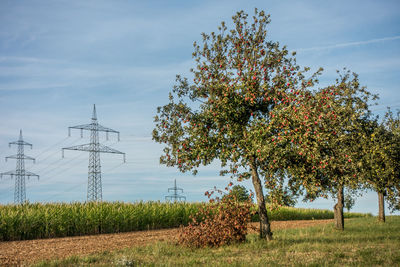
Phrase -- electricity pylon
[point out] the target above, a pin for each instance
(94, 191)
(175, 196)
(20, 173)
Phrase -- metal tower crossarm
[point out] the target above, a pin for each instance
(89, 148)
(20, 173)
(20, 157)
(20, 141)
(94, 126)
(14, 173)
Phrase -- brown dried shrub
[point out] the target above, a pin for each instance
(221, 222)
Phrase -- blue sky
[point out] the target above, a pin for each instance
(58, 58)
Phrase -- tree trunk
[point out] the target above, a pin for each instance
(338, 210)
(265, 227)
(381, 197)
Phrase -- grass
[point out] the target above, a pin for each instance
(290, 213)
(35, 220)
(364, 242)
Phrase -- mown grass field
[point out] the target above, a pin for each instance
(364, 242)
(33, 221)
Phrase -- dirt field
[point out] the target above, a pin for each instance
(30, 251)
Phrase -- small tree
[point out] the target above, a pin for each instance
(240, 193)
(392, 124)
(240, 78)
(381, 160)
(349, 201)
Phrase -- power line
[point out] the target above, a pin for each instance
(54, 153)
(63, 170)
(64, 191)
(61, 162)
(77, 185)
(49, 148)
(55, 165)
(113, 168)
(80, 184)
(72, 160)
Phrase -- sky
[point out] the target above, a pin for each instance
(58, 58)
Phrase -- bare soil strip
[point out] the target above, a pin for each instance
(31, 251)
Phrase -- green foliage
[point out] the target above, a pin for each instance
(240, 193)
(250, 107)
(321, 135)
(280, 195)
(349, 202)
(240, 78)
(392, 124)
(381, 157)
(222, 222)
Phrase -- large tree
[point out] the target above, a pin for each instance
(240, 78)
(322, 137)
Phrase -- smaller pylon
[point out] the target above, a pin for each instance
(175, 196)
(20, 173)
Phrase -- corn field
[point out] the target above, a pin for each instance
(33, 221)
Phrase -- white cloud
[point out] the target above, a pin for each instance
(348, 44)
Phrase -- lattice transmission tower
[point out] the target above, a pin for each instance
(175, 196)
(94, 190)
(20, 173)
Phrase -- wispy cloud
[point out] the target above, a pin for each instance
(349, 44)
(37, 73)
(16, 59)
